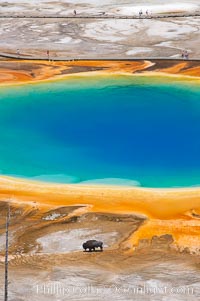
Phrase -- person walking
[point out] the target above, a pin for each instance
(186, 55)
(48, 55)
(18, 53)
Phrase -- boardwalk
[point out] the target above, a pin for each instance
(67, 59)
(103, 16)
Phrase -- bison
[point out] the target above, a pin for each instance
(92, 244)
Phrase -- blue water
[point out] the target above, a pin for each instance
(106, 130)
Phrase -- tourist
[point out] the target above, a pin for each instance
(48, 56)
(74, 12)
(186, 55)
(18, 52)
(140, 13)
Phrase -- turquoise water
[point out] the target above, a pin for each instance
(119, 130)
